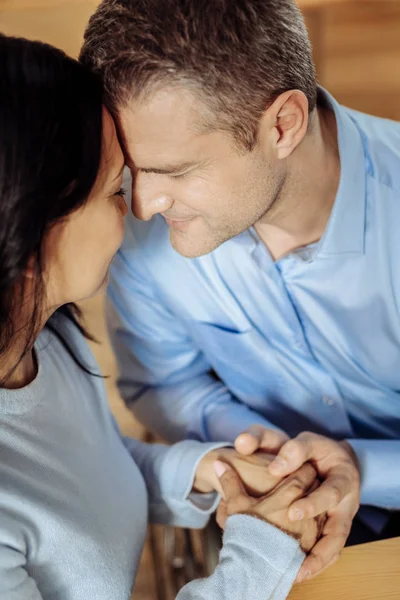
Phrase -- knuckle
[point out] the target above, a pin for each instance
(309, 437)
(304, 435)
(308, 471)
(281, 436)
(354, 475)
(290, 491)
(254, 430)
(237, 506)
(336, 494)
(343, 484)
(293, 448)
(338, 530)
(228, 477)
(318, 563)
(231, 508)
(296, 485)
(293, 490)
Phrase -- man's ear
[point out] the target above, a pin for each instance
(285, 122)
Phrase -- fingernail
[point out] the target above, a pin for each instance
(296, 514)
(278, 464)
(219, 468)
(242, 440)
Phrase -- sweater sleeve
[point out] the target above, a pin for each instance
(15, 582)
(169, 473)
(257, 561)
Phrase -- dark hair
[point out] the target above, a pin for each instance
(239, 55)
(50, 151)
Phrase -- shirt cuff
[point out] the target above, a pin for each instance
(379, 469)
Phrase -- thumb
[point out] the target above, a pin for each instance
(222, 514)
(232, 486)
(258, 437)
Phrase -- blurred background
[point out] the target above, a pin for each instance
(356, 47)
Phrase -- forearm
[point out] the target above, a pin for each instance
(164, 380)
(169, 474)
(257, 561)
(198, 408)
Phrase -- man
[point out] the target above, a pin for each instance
(262, 291)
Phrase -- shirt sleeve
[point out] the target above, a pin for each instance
(257, 561)
(380, 473)
(163, 377)
(15, 583)
(169, 474)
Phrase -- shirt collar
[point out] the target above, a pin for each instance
(345, 231)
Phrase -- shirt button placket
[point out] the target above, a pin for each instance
(327, 400)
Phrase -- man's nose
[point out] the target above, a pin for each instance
(149, 196)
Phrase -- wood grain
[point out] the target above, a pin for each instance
(367, 572)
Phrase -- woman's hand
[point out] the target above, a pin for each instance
(252, 470)
(272, 507)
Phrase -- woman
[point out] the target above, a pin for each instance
(74, 496)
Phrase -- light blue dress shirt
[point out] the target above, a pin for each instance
(209, 346)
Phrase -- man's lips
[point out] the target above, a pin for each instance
(178, 223)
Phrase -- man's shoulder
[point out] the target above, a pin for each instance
(376, 127)
(381, 141)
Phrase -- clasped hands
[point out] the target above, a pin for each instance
(308, 486)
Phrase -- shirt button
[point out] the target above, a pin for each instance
(328, 401)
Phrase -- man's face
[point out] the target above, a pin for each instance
(206, 188)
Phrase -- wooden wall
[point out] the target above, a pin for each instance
(356, 43)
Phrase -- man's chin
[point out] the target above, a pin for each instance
(189, 247)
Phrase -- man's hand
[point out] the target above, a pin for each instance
(258, 437)
(338, 495)
(252, 470)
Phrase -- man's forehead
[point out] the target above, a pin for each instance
(166, 124)
(166, 112)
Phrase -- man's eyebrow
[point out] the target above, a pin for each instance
(167, 169)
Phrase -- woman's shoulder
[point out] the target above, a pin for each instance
(65, 336)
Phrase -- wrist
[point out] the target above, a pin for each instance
(205, 480)
(350, 450)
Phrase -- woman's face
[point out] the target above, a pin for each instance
(79, 249)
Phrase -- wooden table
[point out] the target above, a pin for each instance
(366, 572)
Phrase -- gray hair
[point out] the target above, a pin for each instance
(239, 55)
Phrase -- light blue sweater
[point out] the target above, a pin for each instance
(75, 497)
